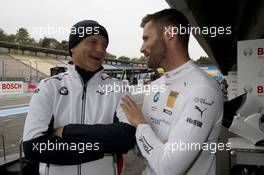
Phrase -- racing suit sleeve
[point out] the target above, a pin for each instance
(195, 122)
(38, 142)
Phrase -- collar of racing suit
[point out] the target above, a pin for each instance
(76, 71)
(179, 71)
(86, 75)
(93, 79)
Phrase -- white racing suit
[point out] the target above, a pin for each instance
(87, 112)
(183, 121)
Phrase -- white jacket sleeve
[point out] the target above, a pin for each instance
(119, 111)
(194, 124)
(40, 112)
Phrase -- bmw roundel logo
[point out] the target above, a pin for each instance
(248, 89)
(247, 52)
(64, 91)
(156, 97)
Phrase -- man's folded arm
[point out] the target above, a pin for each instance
(55, 150)
(118, 137)
(80, 143)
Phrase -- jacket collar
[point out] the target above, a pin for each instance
(96, 77)
(180, 71)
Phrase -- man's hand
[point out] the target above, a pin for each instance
(57, 131)
(134, 115)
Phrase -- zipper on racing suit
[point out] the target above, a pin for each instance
(83, 103)
(79, 167)
(79, 170)
(47, 169)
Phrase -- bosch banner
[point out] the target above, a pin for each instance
(11, 87)
(250, 64)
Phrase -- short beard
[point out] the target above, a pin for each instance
(157, 54)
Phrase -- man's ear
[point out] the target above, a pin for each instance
(72, 50)
(169, 33)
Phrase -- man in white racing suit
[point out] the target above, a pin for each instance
(178, 127)
(75, 125)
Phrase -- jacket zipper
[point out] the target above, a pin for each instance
(47, 169)
(83, 103)
(79, 168)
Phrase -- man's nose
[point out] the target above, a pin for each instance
(142, 49)
(100, 48)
